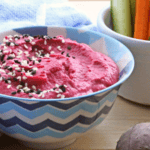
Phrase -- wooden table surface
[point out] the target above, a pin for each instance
(122, 116)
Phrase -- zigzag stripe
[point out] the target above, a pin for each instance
(49, 123)
(62, 106)
(12, 113)
(53, 111)
(47, 131)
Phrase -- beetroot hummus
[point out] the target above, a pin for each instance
(46, 67)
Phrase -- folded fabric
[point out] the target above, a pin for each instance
(16, 13)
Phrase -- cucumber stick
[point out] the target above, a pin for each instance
(121, 17)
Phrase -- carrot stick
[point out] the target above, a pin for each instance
(141, 19)
(149, 24)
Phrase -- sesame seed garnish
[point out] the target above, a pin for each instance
(62, 96)
(27, 40)
(8, 86)
(24, 77)
(69, 47)
(73, 57)
(33, 72)
(62, 87)
(67, 55)
(19, 78)
(58, 95)
(33, 43)
(19, 86)
(13, 93)
(52, 52)
(2, 57)
(12, 44)
(25, 46)
(34, 87)
(49, 48)
(56, 85)
(8, 43)
(45, 42)
(59, 48)
(62, 52)
(16, 61)
(30, 95)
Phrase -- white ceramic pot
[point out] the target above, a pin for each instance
(137, 87)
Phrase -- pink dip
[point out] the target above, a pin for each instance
(44, 67)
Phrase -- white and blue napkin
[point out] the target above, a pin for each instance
(17, 13)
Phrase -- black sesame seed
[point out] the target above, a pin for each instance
(33, 72)
(13, 92)
(2, 57)
(9, 78)
(0, 75)
(54, 88)
(30, 95)
(29, 58)
(33, 62)
(6, 81)
(39, 60)
(26, 35)
(3, 61)
(43, 54)
(6, 67)
(62, 87)
(48, 37)
(16, 44)
(73, 57)
(69, 47)
(31, 91)
(35, 36)
(18, 91)
(27, 62)
(16, 61)
(26, 40)
(8, 43)
(22, 83)
(10, 69)
(18, 70)
(62, 52)
(15, 79)
(38, 91)
(67, 55)
(9, 57)
(54, 37)
(17, 37)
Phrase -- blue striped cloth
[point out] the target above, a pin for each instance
(16, 13)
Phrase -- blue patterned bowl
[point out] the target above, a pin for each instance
(54, 123)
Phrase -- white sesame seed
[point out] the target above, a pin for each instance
(34, 58)
(12, 44)
(57, 85)
(1, 70)
(26, 52)
(30, 37)
(24, 77)
(28, 74)
(5, 40)
(33, 43)
(15, 65)
(60, 91)
(3, 44)
(51, 90)
(62, 96)
(5, 47)
(49, 48)
(36, 62)
(52, 52)
(26, 84)
(12, 55)
(58, 95)
(17, 68)
(9, 81)
(43, 95)
(19, 78)
(25, 46)
(45, 42)
(35, 49)
(34, 87)
(5, 52)
(24, 63)
(8, 86)
(59, 48)
(35, 68)
(65, 85)
(47, 55)
(18, 56)
(10, 73)
(63, 41)
(1, 79)
(56, 91)
(19, 86)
